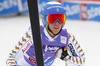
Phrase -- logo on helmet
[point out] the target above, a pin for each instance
(57, 9)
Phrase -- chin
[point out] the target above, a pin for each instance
(56, 32)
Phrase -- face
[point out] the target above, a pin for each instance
(56, 27)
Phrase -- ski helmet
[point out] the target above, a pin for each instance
(51, 8)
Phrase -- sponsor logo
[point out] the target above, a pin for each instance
(28, 45)
(32, 60)
(57, 9)
(72, 49)
(25, 6)
(71, 10)
(50, 48)
(6, 4)
(93, 12)
(63, 39)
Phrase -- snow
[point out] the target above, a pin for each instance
(86, 32)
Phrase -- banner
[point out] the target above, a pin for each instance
(8, 7)
(72, 10)
(42, 2)
(25, 6)
(17, 6)
(93, 12)
(82, 11)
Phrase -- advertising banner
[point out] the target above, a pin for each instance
(8, 7)
(72, 10)
(82, 11)
(93, 12)
(25, 6)
(42, 2)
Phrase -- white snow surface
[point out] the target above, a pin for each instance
(86, 32)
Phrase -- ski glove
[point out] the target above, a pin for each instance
(62, 53)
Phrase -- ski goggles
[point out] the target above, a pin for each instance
(52, 18)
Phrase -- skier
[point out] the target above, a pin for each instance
(56, 42)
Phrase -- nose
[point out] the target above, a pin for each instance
(56, 23)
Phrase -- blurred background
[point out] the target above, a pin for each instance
(83, 20)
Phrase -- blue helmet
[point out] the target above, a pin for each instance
(51, 8)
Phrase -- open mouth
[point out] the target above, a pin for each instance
(56, 27)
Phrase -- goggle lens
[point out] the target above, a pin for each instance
(51, 18)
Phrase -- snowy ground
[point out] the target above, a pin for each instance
(86, 32)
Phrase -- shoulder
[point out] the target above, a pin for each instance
(71, 36)
(64, 30)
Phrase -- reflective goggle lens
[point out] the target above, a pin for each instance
(51, 18)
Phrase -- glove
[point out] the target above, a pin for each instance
(62, 53)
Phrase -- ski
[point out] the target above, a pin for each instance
(34, 20)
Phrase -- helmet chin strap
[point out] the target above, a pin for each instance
(52, 32)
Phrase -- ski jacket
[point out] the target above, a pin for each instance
(24, 55)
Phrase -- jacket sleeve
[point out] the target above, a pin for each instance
(76, 52)
(19, 49)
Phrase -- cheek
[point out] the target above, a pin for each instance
(60, 26)
(51, 26)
